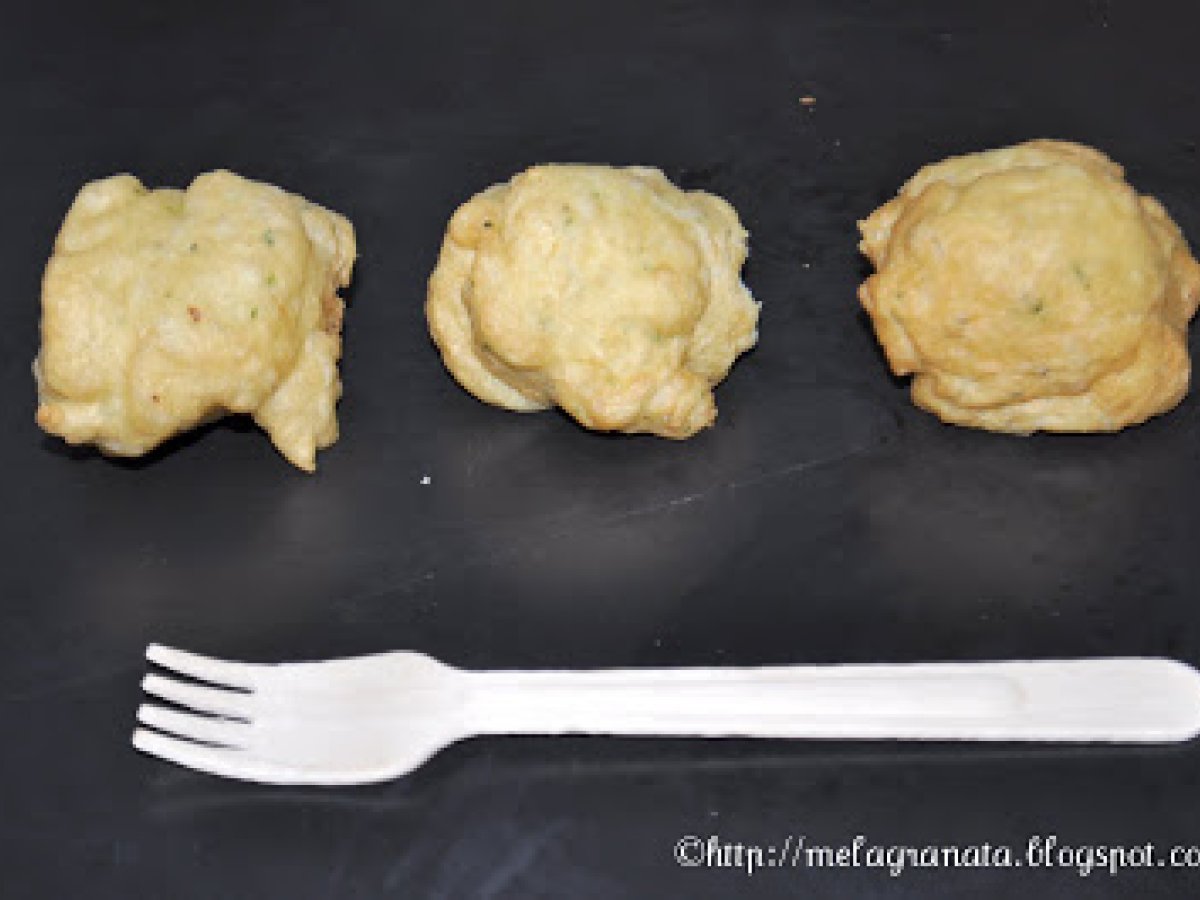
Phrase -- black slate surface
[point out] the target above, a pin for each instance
(823, 519)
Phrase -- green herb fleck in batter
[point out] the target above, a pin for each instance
(1081, 275)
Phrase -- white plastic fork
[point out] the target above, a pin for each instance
(373, 718)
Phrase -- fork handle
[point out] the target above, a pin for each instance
(1118, 700)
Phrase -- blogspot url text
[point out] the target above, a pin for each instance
(1048, 851)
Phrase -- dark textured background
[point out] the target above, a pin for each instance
(823, 519)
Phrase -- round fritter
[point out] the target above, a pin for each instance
(163, 309)
(1031, 288)
(608, 292)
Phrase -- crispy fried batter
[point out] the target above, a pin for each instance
(1030, 288)
(608, 292)
(164, 309)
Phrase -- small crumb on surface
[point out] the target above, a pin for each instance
(808, 100)
(425, 479)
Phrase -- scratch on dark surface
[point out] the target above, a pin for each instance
(610, 519)
(518, 861)
(342, 855)
(735, 485)
(123, 853)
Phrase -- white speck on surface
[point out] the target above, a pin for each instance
(425, 479)
(805, 265)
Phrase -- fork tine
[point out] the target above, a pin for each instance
(204, 699)
(216, 671)
(226, 732)
(221, 761)
(230, 763)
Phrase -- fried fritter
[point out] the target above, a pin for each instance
(163, 309)
(1031, 288)
(609, 292)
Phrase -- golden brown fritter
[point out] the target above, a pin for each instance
(1031, 288)
(163, 309)
(608, 292)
